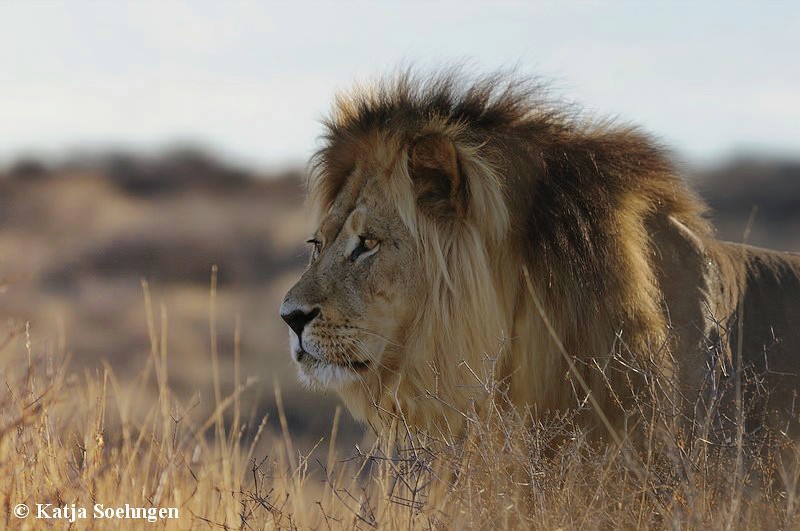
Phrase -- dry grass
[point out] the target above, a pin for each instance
(75, 244)
(79, 439)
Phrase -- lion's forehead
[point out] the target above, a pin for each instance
(362, 198)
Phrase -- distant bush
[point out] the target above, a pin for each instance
(175, 170)
(735, 187)
(28, 168)
(173, 258)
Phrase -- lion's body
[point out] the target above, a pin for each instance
(517, 218)
(761, 289)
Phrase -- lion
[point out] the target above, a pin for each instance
(471, 230)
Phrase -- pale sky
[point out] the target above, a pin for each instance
(251, 79)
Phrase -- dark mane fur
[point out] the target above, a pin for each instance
(565, 177)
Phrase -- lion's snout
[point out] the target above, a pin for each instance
(297, 319)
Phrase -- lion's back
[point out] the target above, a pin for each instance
(759, 291)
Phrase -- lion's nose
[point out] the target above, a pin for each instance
(298, 319)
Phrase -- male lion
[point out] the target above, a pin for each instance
(470, 228)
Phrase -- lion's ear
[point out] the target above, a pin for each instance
(435, 171)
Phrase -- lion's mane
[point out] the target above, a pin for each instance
(573, 204)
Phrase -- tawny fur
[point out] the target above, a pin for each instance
(489, 181)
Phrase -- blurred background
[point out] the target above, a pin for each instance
(152, 140)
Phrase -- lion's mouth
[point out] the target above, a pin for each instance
(304, 358)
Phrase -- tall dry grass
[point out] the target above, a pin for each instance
(69, 438)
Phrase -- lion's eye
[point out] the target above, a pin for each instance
(316, 247)
(366, 244)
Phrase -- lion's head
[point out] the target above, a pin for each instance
(404, 268)
(361, 291)
(385, 278)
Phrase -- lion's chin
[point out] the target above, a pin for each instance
(318, 374)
